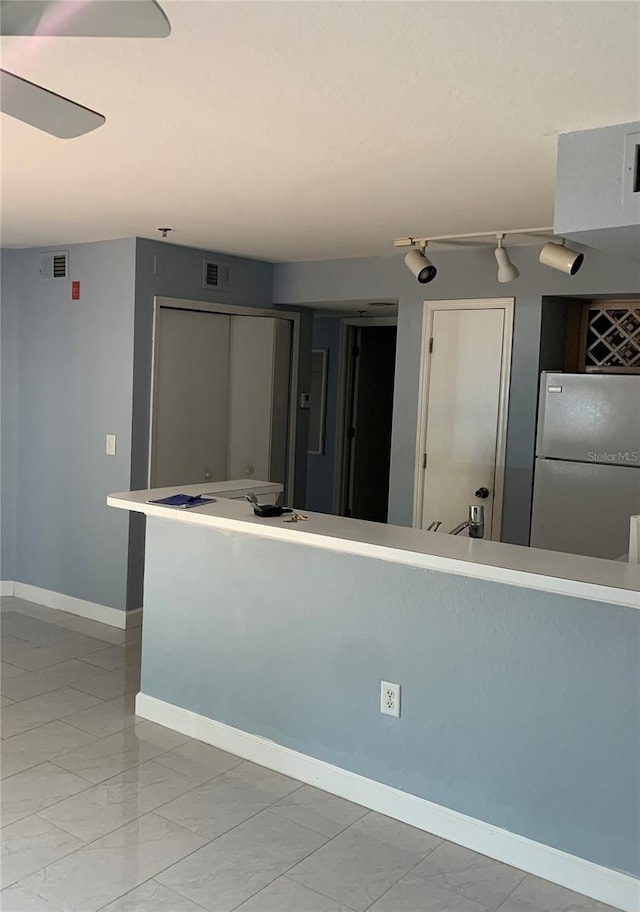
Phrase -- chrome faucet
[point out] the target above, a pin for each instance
(459, 528)
(475, 523)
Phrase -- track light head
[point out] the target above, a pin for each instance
(507, 272)
(420, 265)
(556, 255)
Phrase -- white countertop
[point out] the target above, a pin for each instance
(549, 571)
(264, 490)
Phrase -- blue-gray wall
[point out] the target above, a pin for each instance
(73, 371)
(519, 708)
(467, 274)
(9, 342)
(321, 469)
(73, 365)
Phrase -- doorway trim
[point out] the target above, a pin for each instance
(428, 310)
(231, 310)
(347, 331)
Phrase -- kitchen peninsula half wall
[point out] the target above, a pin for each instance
(518, 668)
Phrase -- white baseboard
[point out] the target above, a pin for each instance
(91, 610)
(133, 618)
(604, 884)
(7, 587)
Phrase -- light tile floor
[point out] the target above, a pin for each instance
(103, 811)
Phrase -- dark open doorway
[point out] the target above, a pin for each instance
(369, 415)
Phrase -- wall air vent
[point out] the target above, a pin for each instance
(54, 265)
(216, 275)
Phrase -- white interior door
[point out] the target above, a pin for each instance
(191, 398)
(463, 412)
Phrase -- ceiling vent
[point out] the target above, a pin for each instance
(54, 265)
(216, 275)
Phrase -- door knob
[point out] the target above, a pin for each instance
(483, 493)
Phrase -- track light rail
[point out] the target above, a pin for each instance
(423, 241)
(554, 252)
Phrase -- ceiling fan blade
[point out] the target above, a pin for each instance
(45, 110)
(84, 18)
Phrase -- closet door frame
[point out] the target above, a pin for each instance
(231, 310)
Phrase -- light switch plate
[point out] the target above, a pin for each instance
(111, 445)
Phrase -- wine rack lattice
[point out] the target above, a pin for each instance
(613, 338)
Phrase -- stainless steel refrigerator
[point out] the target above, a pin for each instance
(587, 472)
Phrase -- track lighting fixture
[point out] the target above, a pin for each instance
(554, 253)
(558, 256)
(507, 272)
(420, 265)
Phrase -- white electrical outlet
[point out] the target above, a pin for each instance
(390, 698)
(110, 447)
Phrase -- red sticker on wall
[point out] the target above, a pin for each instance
(75, 291)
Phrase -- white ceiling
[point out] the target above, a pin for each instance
(288, 131)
